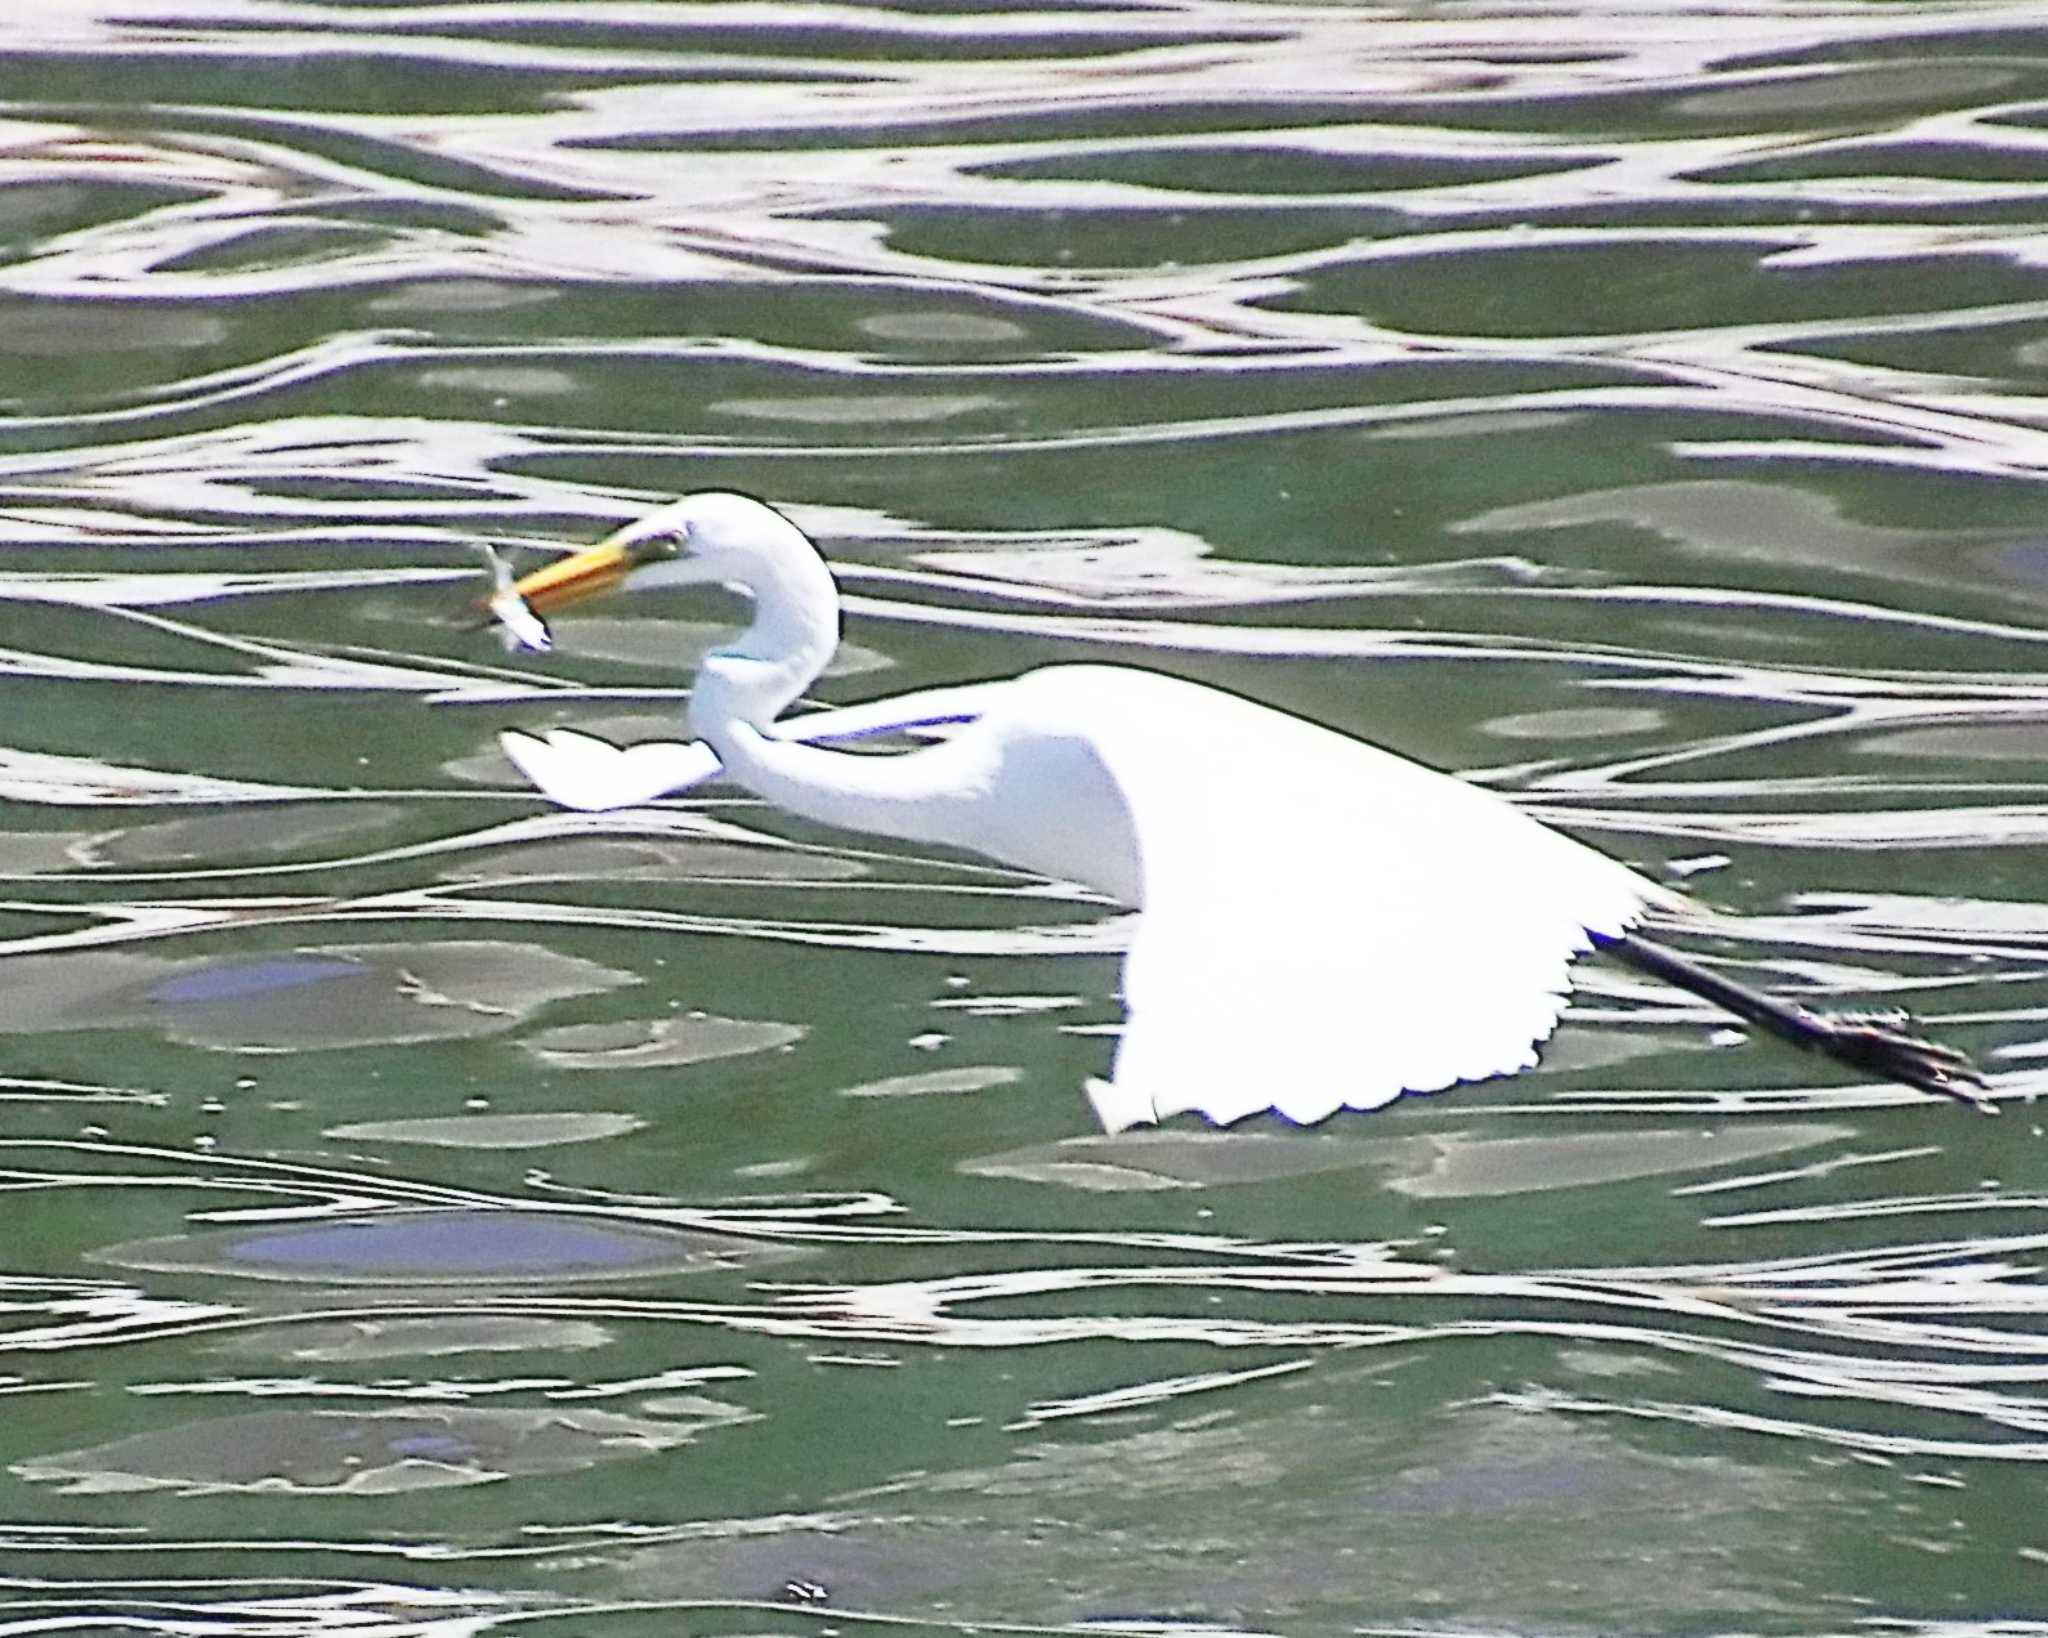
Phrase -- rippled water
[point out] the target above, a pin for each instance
(688, 1221)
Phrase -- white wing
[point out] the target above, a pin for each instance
(581, 772)
(1325, 925)
(934, 708)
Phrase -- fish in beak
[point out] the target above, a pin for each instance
(516, 605)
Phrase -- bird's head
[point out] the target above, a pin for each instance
(705, 538)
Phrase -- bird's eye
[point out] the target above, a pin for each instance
(657, 548)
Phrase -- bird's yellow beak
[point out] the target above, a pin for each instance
(595, 569)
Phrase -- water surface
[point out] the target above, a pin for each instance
(689, 1221)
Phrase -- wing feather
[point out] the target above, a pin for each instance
(583, 772)
(1325, 925)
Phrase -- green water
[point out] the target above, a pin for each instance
(425, 1213)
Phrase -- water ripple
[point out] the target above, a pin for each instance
(1637, 409)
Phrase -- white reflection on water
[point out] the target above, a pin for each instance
(1216, 333)
(533, 1130)
(362, 1453)
(1950, 1327)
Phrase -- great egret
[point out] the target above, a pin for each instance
(1322, 924)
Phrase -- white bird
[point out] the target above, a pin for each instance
(1322, 924)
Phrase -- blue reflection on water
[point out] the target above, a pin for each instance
(235, 980)
(458, 1243)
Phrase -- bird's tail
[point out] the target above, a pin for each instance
(1880, 1044)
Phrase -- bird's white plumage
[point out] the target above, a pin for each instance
(1323, 924)
(592, 775)
(586, 773)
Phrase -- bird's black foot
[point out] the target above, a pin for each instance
(1876, 1043)
(1882, 1043)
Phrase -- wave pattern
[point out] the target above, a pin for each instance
(677, 1219)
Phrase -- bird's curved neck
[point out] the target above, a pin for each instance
(742, 686)
(751, 680)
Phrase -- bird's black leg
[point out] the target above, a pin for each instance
(1875, 1043)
